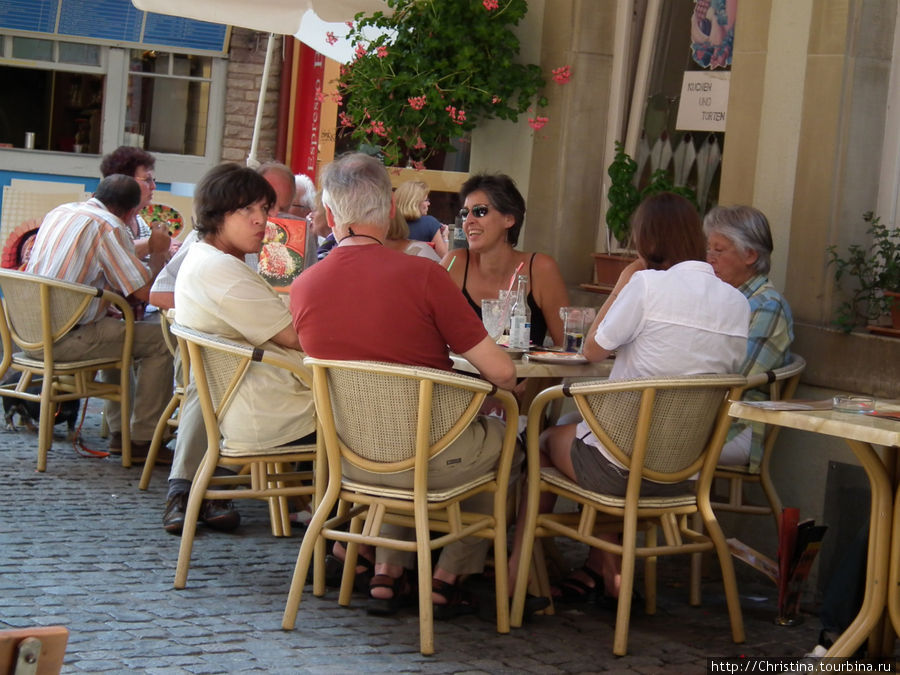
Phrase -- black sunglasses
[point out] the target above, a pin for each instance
(479, 211)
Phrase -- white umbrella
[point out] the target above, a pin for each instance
(317, 23)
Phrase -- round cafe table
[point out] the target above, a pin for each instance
(541, 374)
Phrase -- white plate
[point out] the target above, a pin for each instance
(572, 358)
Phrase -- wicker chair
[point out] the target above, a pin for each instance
(37, 312)
(386, 418)
(218, 367)
(782, 384)
(170, 417)
(664, 429)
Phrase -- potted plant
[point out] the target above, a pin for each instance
(433, 73)
(624, 198)
(875, 270)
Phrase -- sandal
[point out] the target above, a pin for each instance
(574, 591)
(459, 602)
(334, 571)
(401, 593)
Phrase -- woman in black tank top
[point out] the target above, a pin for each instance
(493, 213)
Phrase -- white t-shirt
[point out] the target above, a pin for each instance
(219, 294)
(681, 321)
(165, 280)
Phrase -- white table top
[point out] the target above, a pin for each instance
(854, 426)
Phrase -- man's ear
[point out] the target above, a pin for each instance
(329, 216)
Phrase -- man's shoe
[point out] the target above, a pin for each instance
(220, 514)
(139, 449)
(173, 518)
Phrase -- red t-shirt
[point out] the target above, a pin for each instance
(371, 303)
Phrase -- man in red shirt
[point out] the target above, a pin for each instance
(368, 302)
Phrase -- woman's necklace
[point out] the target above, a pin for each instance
(365, 236)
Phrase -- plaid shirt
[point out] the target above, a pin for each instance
(768, 347)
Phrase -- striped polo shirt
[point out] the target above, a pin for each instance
(84, 243)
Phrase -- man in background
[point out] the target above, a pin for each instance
(89, 243)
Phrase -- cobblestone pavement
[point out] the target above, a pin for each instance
(81, 546)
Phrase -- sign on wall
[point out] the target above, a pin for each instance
(704, 101)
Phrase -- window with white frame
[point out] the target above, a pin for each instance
(167, 101)
(60, 89)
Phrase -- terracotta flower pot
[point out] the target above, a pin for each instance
(608, 267)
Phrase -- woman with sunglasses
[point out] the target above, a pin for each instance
(493, 213)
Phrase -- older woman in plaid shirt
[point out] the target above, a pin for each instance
(739, 248)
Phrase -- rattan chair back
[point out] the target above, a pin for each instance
(37, 308)
(670, 419)
(384, 412)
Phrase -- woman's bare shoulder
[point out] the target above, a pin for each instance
(542, 262)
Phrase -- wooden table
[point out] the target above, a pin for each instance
(540, 375)
(860, 432)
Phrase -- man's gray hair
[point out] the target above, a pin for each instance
(747, 228)
(357, 189)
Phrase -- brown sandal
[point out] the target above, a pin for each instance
(401, 594)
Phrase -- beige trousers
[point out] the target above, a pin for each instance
(152, 365)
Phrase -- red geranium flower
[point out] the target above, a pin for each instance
(561, 75)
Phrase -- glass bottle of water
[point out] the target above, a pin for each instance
(520, 317)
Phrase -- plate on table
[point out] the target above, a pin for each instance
(571, 358)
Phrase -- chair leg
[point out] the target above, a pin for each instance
(155, 444)
(650, 569)
(696, 565)
(626, 585)
(192, 514)
(263, 472)
(350, 556)
(45, 425)
(423, 550)
(525, 558)
(284, 507)
(729, 580)
(501, 575)
(542, 579)
(125, 407)
(311, 540)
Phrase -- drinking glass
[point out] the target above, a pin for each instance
(576, 320)
(492, 316)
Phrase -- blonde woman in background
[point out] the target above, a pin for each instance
(411, 199)
(398, 239)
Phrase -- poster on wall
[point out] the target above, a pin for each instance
(703, 104)
(712, 33)
(283, 248)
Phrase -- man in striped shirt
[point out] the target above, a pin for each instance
(88, 243)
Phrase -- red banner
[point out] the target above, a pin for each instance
(310, 77)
